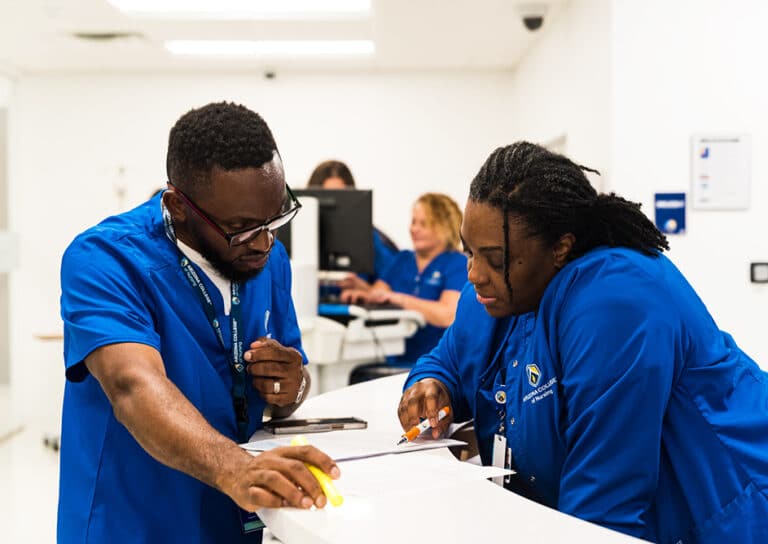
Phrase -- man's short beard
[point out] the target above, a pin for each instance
(225, 268)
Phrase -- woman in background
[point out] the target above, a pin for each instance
(336, 175)
(331, 175)
(427, 279)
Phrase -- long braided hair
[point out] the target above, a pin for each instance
(552, 196)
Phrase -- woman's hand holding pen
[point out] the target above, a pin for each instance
(423, 400)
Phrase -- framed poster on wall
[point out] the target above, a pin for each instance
(670, 212)
(720, 171)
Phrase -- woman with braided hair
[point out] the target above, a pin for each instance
(590, 365)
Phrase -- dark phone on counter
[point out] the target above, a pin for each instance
(314, 425)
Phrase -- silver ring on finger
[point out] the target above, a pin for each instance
(276, 387)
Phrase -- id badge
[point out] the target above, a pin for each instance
(250, 522)
(499, 457)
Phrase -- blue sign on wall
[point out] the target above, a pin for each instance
(670, 212)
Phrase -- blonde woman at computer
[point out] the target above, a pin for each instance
(427, 279)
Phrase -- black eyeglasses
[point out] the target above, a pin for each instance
(243, 236)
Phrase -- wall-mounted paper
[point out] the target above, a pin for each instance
(720, 171)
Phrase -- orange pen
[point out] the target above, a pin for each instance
(423, 426)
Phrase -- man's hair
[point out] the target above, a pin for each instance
(221, 134)
(444, 215)
(551, 196)
(331, 169)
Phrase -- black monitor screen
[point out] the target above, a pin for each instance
(346, 232)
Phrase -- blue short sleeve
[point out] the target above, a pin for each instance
(100, 303)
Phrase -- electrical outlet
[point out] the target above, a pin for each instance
(759, 272)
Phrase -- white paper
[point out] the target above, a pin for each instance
(407, 474)
(354, 444)
(456, 427)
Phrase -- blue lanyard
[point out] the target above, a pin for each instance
(237, 367)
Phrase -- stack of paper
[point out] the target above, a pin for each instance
(354, 444)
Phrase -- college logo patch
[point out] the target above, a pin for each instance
(534, 374)
(434, 279)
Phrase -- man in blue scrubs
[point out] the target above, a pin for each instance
(179, 330)
(592, 368)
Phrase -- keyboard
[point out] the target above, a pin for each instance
(336, 301)
(330, 298)
(379, 306)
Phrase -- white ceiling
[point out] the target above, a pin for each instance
(37, 36)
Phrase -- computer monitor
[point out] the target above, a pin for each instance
(345, 229)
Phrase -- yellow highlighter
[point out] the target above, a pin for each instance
(325, 481)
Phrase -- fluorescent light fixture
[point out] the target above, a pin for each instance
(245, 9)
(238, 48)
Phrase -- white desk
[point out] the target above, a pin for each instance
(462, 513)
(334, 349)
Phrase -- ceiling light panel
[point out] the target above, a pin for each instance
(238, 48)
(245, 9)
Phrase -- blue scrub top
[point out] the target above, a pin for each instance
(624, 404)
(121, 282)
(447, 271)
(383, 253)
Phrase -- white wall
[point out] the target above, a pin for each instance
(75, 139)
(6, 87)
(563, 86)
(627, 82)
(683, 67)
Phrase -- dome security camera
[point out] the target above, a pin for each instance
(532, 15)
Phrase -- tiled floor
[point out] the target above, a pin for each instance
(29, 476)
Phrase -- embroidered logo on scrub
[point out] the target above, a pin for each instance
(435, 279)
(534, 374)
(540, 390)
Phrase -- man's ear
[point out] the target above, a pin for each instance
(175, 205)
(562, 249)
